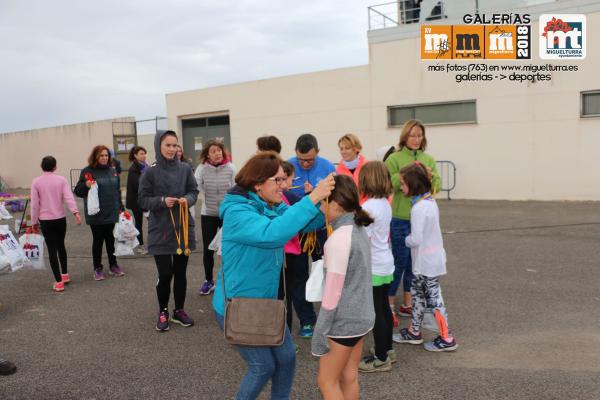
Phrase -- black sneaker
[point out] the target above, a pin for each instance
(180, 317)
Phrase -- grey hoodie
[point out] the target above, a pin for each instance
(166, 178)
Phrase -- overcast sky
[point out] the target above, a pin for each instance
(64, 62)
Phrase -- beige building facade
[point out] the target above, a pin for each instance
(22, 152)
(528, 141)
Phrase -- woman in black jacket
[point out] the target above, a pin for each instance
(167, 189)
(102, 224)
(137, 156)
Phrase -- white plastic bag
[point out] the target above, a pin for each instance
(10, 249)
(4, 214)
(33, 246)
(215, 244)
(4, 264)
(125, 235)
(93, 203)
(315, 282)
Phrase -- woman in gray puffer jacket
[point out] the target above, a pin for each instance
(163, 186)
(215, 175)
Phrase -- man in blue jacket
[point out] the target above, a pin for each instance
(310, 170)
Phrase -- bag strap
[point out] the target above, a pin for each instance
(284, 267)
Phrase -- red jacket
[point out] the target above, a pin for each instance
(342, 170)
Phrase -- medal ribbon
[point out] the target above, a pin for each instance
(310, 244)
(175, 228)
(184, 218)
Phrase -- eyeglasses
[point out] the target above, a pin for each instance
(305, 160)
(278, 180)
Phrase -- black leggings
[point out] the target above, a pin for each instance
(100, 235)
(54, 231)
(210, 225)
(169, 267)
(287, 273)
(384, 324)
(138, 216)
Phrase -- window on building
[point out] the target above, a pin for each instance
(220, 120)
(194, 123)
(590, 103)
(455, 112)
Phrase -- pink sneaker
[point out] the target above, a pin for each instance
(65, 278)
(58, 287)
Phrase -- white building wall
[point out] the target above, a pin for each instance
(326, 103)
(22, 152)
(529, 141)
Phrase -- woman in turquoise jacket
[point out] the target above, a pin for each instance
(256, 226)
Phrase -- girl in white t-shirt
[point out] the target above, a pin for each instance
(428, 260)
(374, 185)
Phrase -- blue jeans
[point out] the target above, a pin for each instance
(399, 230)
(276, 363)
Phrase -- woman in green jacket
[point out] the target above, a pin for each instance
(410, 149)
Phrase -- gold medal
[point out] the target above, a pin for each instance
(179, 251)
(188, 252)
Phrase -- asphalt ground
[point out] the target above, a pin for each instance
(522, 292)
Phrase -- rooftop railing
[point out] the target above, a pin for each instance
(404, 12)
(407, 12)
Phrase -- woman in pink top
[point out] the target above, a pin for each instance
(49, 193)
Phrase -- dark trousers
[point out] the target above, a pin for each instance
(382, 331)
(399, 230)
(288, 274)
(210, 226)
(171, 268)
(103, 234)
(298, 266)
(54, 231)
(138, 216)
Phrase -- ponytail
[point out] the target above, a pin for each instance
(362, 218)
(345, 194)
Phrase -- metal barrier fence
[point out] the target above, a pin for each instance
(74, 176)
(447, 171)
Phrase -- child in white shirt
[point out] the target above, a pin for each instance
(375, 186)
(428, 261)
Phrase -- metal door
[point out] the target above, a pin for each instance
(198, 131)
